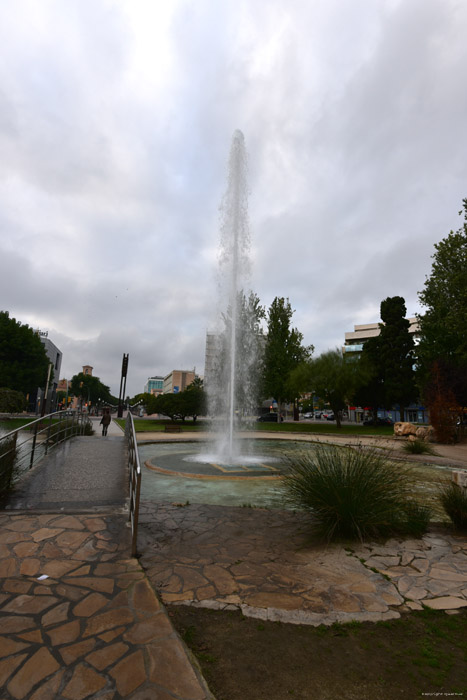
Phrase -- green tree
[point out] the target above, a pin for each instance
(89, 388)
(332, 376)
(11, 401)
(283, 353)
(443, 338)
(23, 360)
(390, 359)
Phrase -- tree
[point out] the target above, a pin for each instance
(283, 353)
(442, 326)
(11, 401)
(23, 361)
(90, 388)
(190, 402)
(390, 358)
(332, 376)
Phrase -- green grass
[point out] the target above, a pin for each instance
(454, 501)
(14, 423)
(327, 428)
(153, 425)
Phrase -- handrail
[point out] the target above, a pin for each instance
(48, 432)
(134, 470)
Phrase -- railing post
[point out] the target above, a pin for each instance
(48, 434)
(33, 446)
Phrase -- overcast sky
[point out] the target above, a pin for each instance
(116, 118)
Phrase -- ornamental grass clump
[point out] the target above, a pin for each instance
(454, 501)
(418, 447)
(353, 492)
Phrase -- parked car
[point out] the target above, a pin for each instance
(308, 415)
(330, 416)
(378, 421)
(326, 415)
(318, 414)
(268, 418)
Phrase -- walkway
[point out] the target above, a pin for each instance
(79, 618)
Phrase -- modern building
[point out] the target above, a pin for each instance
(154, 385)
(36, 399)
(178, 380)
(354, 340)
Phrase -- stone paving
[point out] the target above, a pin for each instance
(265, 564)
(78, 618)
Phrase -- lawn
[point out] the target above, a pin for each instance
(243, 658)
(14, 423)
(143, 425)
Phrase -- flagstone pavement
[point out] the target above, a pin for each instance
(265, 563)
(78, 617)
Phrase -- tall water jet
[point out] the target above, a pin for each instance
(230, 379)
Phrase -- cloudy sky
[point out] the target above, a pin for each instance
(116, 118)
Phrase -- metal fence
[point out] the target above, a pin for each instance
(20, 449)
(134, 470)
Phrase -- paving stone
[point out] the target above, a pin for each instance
(81, 571)
(143, 597)
(416, 593)
(57, 614)
(169, 668)
(58, 568)
(13, 586)
(20, 525)
(9, 647)
(205, 592)
(221, 579)
(274, 600)
(34, 636)
(9, 567)
(45, 533)
(35, 669)
(103, 585)
(65, 633)
(151, 693)
(130, 673)
(29, 567)
(84, 683)
(404, 584)
(412, 605)
(112, 634)
(94, 524)
(421, 565)
(145, 631)
(445, 603)
(49, 689)
(73, 652)
(106, 621)
(15, 623)
(8, 666)
(90, 605)
(406, 558)
(51, 551)
(26, 549)
(71, 592)
(69, 521)
(444, 575)
(4, 551)
(13, 537)
(71, 539)
(103, 658)
(29, 604)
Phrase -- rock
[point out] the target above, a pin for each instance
(402, 429)
(424, 433)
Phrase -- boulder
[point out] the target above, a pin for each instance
(425, 433)
(402, 429)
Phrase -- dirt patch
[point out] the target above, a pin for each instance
(247, 659)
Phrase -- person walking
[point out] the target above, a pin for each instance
(105, 421)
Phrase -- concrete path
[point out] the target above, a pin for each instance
(84, 472)
(266, 564)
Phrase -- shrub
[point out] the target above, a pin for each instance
(415, 519)
(454, 501)
(353, 492)
(11, 401)
(7, 464)
(418, 447)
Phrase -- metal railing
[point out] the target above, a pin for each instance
(20, 449)
(134, 470)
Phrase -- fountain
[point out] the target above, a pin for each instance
(231, 380)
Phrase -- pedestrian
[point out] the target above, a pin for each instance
(105, 420)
